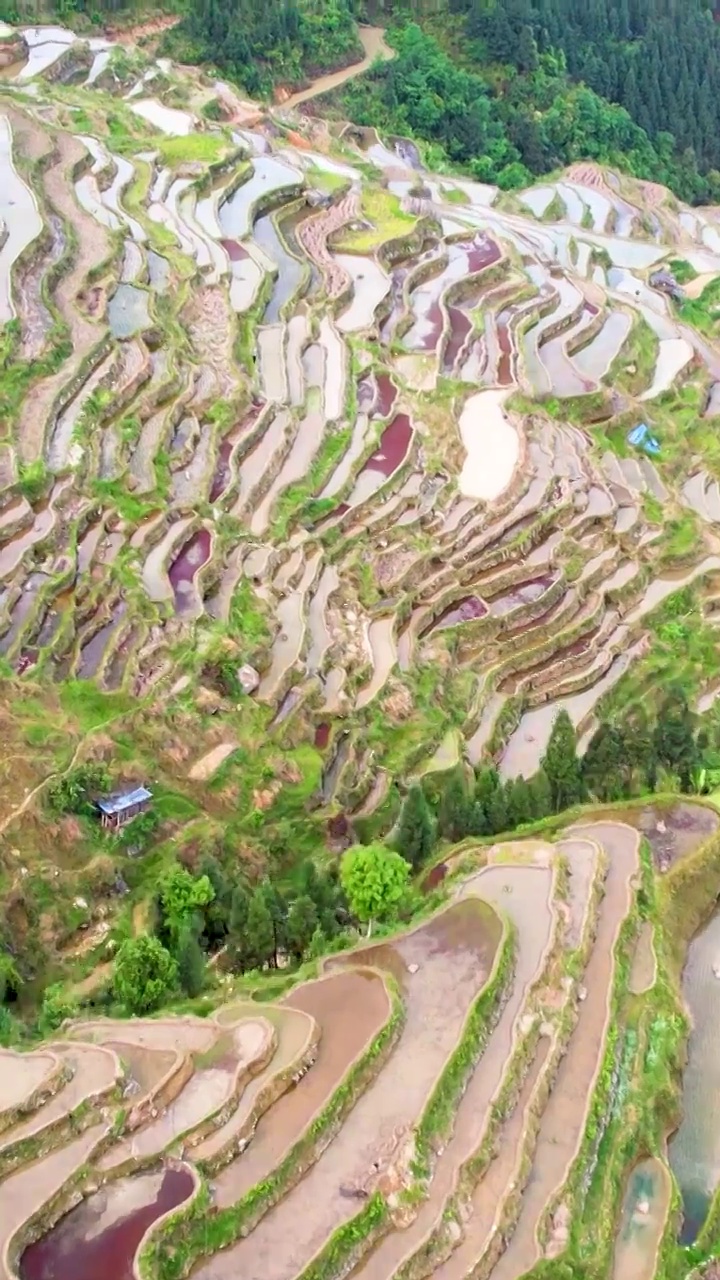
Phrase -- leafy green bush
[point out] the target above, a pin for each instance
(144, 974)
(57, 1005)
(75, 791)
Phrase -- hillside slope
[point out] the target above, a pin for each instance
(345, 500)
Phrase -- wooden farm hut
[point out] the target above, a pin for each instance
(118, 809)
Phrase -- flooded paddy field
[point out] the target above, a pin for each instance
(352, 437)
(454, 955)
(302, 433)
(306, 1046)
(694, 1151)
(101, 1236)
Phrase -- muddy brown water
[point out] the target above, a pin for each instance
(674, 832)
(293, 1028)
(92, 653)
(237, 1051)
(386, 396)
(223, 469)
(146, 1067)
(461, 611)
(192, 556)
(460, 328)
(489, 1193)
(350, 1008)
(524, 894)
(454, 953)
(28, 1189)
(563, 1121)
(100, 1236)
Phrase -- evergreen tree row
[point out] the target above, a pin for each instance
(622, 759)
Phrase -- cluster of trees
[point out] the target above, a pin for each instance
(259, 42)
(523, 118)
(478, 804)
(661, 62)
(75, 791)
(30, 11)
(195, 916)
(623, 758)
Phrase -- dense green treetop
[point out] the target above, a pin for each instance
(374, 879)
(144, 974)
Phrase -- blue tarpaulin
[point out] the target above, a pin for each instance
(641, 438)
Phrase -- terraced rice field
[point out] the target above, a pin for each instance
(285, 411)
(316, 1120)
(257, 373)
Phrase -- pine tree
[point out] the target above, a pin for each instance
(674, 738)
(604, 763)
(540, 795)
(259, 938)
(190, 963)
(217, 912)
(497, 812)
(477, 820)
(561, 764)
(277, 907)
(302, 921)
(239, 908)
(486, 784)
(415, 835)
(519, 803)
(453, 810)
(526, 54)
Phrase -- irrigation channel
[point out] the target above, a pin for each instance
(530, 935)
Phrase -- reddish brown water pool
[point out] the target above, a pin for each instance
(234, 251)
(322, 736)
(221, 478)
(524, 593)
(386, 396)
(393, 446)
(461, 611)
(434, 877)
(98, 1239)
(193, 555)
(502, 328)
(349, 1007)
(460, 326)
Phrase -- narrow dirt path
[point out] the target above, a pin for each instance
(373, 42)
(8, 820)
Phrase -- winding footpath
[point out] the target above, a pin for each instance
(373, 42)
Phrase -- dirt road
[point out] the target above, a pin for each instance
(373, 42)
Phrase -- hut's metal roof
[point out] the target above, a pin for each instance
(122, 800)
